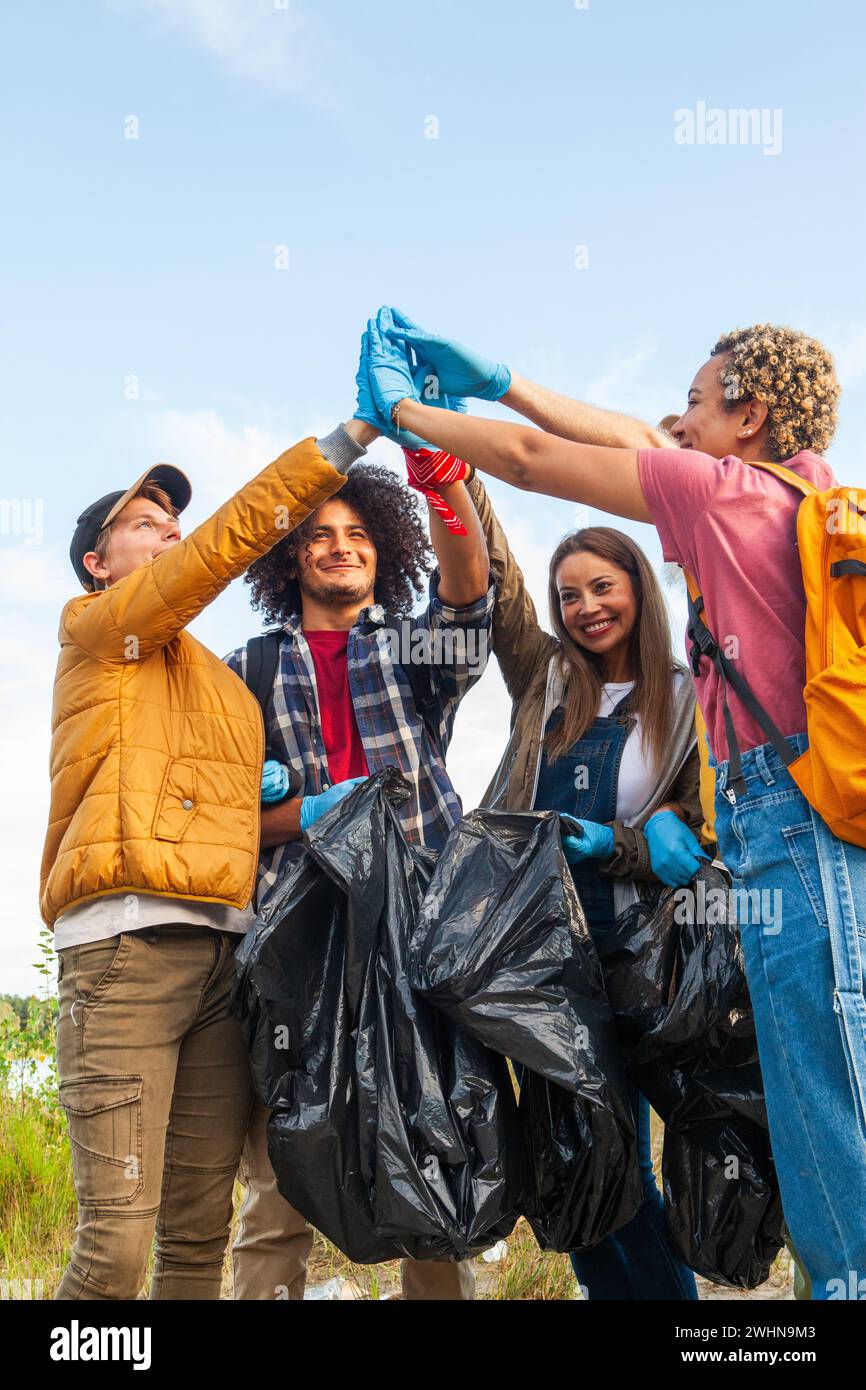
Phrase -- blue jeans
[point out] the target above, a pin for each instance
(637, 1261)
(804, 943)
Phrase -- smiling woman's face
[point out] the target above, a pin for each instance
(597, 602)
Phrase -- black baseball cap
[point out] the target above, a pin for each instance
(98, 515)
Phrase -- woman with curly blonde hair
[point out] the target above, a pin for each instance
(764, 394)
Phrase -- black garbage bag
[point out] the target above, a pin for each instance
(676, 980)
(576, 1196)
(393, 1132)
(502, 948)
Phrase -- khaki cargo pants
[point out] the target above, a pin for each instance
(155, 1080)
(273, 1240)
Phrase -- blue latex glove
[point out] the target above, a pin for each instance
(275, 781)
(430, 393)
(390, 378)
(425, 388)
(312, 807)
(675, 853)
(365, 408)
(461, 371)
(594, 841)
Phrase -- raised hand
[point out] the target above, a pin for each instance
(459, 370)
(426, 386)
(365, 406)
(389, 374)
(427, 468)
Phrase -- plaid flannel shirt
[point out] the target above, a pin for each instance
(392, 730)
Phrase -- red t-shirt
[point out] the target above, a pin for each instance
(339, 727)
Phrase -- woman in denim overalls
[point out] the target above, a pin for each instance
(600, 611)
(603, 731)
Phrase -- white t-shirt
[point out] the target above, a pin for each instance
(636, 777)
(129, 911)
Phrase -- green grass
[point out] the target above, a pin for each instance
(38, 1212)
(37, 1197)
(530, 1273)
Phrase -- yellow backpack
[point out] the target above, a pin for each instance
(831, 774)
(708, 778)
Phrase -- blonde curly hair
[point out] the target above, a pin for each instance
(793, 374)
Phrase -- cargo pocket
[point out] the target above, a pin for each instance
(104, 1117)
(177, 806)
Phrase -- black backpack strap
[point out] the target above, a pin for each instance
(843, 567)
(704, 644)
(263, 657)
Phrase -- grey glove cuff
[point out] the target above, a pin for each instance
(340, 449)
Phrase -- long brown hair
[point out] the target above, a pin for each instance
(649, 647)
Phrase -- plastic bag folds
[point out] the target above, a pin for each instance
(392, 1131)
(676, 980)
(503, 949)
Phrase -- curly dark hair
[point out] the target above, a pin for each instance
(792, 373)
(390, 513)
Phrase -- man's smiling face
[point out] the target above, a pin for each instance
(337, 565)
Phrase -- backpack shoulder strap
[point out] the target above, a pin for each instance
(263, 655)
(704, 644)
(787, 475)
(691, 584)
(263, 658)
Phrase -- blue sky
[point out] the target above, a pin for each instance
(145, 317)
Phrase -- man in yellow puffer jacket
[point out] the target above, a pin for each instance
(149, 865)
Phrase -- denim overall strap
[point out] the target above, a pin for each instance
(583, 783)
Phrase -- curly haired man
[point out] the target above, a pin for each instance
(343, 707)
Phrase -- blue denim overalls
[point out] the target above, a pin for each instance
(637, 1261)
(584, 783)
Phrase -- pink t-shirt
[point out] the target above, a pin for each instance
(734, 528)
